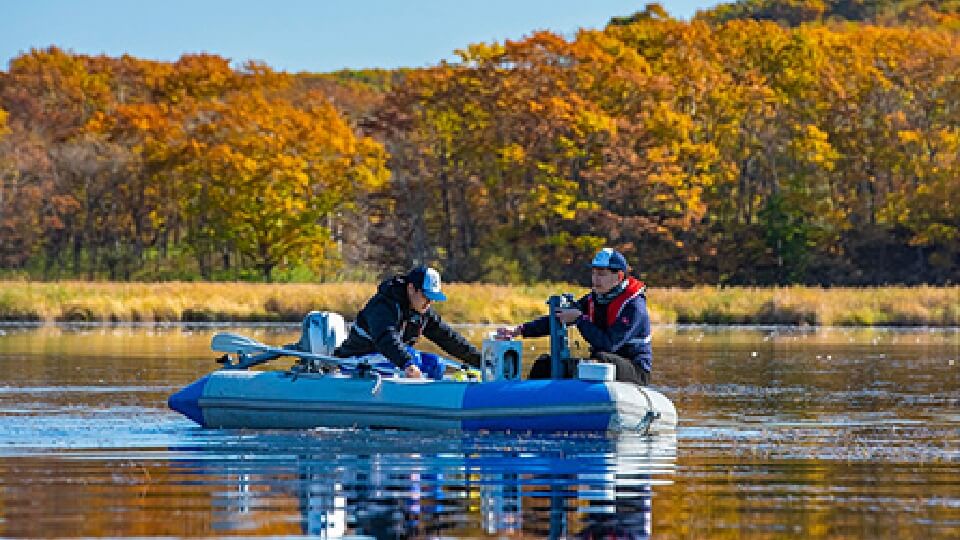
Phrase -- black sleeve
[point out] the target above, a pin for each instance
(450, 340)
(541, 325)
(536, 328)
(384, 322)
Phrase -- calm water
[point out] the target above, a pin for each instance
(825, 433)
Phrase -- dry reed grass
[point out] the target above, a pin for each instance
(474, 303)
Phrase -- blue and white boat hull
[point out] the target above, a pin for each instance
(277, 400)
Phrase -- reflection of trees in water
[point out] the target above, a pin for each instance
(585, 488)
(580, 507)
(628, 516)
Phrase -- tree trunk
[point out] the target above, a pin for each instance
(446, 230)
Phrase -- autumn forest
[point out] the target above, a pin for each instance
(763, 142)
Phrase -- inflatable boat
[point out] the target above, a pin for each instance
(323, 391)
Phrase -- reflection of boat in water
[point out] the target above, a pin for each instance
(382, 484)
(321, 391)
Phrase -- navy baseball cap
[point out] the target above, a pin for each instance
(427, 280)
(609, 258)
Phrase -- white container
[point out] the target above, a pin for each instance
(595, 371)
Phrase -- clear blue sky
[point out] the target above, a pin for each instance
(299, 35)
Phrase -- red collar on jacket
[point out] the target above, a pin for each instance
(634, 288)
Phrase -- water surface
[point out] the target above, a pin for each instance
(825, 433)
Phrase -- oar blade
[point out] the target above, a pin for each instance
(235, 343)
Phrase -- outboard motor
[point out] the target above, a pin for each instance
(500, 360)
(323, 331)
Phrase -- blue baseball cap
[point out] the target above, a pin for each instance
(427, 280)
(609, 258)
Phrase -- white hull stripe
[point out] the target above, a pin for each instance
(388, 410)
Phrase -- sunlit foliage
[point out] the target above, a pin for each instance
(763, 142)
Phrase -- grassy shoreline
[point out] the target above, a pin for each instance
(73, 301)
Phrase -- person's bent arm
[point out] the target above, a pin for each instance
(536, 328)
(450, 340)
(629, 325)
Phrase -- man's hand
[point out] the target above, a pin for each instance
(508, 333)
(412, 372)
(568, 315)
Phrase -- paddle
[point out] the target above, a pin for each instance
(242, 345)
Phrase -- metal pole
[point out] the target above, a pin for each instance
(559, 350)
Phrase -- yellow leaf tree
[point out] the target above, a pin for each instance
(265, 173)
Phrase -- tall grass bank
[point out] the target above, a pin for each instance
(76, 301)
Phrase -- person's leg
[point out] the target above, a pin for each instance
(627, 371)
(540, 368)
(570, 368)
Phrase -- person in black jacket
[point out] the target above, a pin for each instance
(612, 318)
(395, 318)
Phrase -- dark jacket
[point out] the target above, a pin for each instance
(387, 323)
(621, 326)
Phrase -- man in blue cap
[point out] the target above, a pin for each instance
(395, 318)
(612, 318)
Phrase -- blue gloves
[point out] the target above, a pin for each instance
(431, 365)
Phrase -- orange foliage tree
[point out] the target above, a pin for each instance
(763, 142)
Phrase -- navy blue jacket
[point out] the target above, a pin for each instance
(387, 323)
(621, 326)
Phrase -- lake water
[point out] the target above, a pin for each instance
(813, 433)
